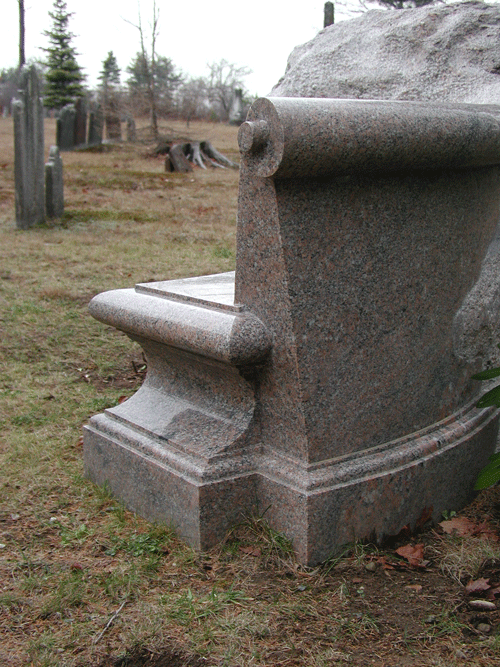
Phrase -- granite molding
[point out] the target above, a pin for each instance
(233, 337)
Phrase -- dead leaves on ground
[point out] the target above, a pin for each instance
(463, 527)
(414, 554)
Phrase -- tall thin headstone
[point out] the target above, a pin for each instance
(237, 112)
(54, 194)
(113, 125)
(131, 129)
(80, 122)
(94, 137)
(66, 128)
(28, 151)
(329, 14)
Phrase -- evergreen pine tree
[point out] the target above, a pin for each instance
(110, 73)
(109, 87)
(64, 76)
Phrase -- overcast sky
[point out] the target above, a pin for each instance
(259, 34)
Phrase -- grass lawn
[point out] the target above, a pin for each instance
(83, 582)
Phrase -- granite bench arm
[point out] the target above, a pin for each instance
(238, 339)
(292, 137)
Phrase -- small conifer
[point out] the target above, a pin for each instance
(64, 76)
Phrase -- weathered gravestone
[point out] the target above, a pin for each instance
(94, 137)
(113, 123)
(65, 128)
(237, 111)
(54, 192)
(28, 151)
(131, 129)
(324, 380)
(80, 122)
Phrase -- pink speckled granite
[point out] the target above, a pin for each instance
(330, 379)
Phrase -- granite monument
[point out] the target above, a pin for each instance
(325, 380)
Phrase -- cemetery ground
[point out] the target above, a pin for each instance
(85, 582)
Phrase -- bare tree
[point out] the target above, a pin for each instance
(193, 101)
(223, 79)
(22, 54)
(149, 62)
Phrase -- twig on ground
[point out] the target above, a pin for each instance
(112, 618)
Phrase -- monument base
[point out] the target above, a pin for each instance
(370, 496)
(185, 449)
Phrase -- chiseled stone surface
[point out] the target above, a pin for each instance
(329, 383)
(440, 52)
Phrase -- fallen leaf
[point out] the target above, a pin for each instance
(476, 586)
(485, 530)
(251, 551)
(356, 580)
(493, 592)
(383, 561)
(459, 525)
(415, 587)
(414, 554)
(462, 527)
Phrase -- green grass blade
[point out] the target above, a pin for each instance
(490, 474)
(491, 397)
(487, 375)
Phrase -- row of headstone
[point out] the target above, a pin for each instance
(72, 126)
(38, 187)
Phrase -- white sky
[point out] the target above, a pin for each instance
(259, 34)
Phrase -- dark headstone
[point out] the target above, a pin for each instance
(95, 126)
(80, 122)
(329, 14)
(54, 194)
(131, 129)
(66, 128)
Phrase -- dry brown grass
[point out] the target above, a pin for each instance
(83, 581)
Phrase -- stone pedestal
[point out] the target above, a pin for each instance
(329, 380)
